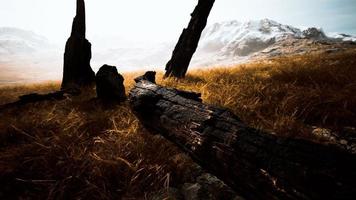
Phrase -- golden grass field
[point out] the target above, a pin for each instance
(80, 149)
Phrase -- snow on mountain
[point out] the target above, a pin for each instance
(238, 41)
(18, 41)
(234, 33)
(242, 39)
(342, 37)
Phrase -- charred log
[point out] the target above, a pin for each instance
(77, 55)
(257, 164)
(35, 97)
(188, 41)
(149, 76)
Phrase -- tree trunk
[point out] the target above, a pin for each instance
(77, 71)
(188, 41)
(256, 164)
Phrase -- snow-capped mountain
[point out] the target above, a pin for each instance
(342, 37)
(240, 37)
(18, 41)
(232, 41)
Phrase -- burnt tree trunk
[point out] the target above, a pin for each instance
(188, 41)
(256, 164)
(77, 71)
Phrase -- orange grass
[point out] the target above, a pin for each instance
(79, 149)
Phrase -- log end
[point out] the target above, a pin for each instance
(148, 76)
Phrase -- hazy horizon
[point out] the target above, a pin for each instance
(162, 20)
(139, 35)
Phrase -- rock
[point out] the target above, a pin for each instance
(196, 183)
(191, 191)
(343, 142)
(208, 187)
(314, 33)
(350, 133)
(349, 138)
(110, 84)
(324, 134)
(249, 46)
(77, 55)
(214, 188)
(168, 194)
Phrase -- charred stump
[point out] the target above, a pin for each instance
(256, 164)
(188, 41)
(110, 84)
(77, 71)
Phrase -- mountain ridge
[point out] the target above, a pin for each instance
(20, 41)
(233, 33)
(232, 41)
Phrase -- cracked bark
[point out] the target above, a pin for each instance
(256, 164)
(188, 41)
(76, 70)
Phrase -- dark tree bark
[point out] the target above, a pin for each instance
(256, 164)
(77, 71)
(188, 41)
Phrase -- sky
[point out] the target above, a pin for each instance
(163, 20)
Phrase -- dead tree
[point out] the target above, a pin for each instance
(188, 41)
(77, 71)
(256, 164)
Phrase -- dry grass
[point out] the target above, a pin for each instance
(78, 148)
(285, 95)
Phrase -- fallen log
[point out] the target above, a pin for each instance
(256, 164)
(35, 97)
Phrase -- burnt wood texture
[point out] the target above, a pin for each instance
(256, 164)
(77, 71)
(188, 42)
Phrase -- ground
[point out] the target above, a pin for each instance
(79, 148)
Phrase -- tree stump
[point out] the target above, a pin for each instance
(77, 71)
(110, 84)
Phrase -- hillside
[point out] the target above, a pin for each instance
(15, 41)
(26, 57)
(80, 148)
